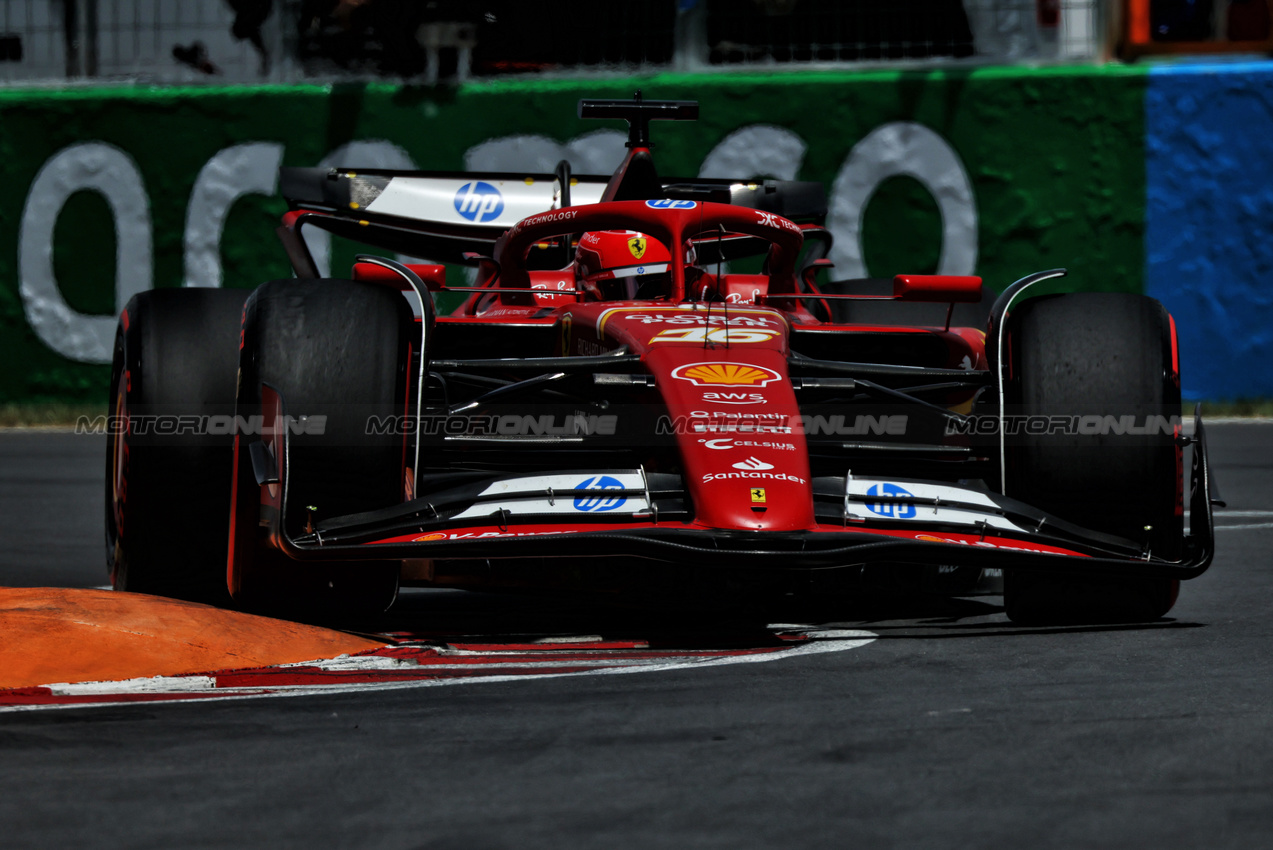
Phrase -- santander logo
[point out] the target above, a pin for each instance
(752, 464)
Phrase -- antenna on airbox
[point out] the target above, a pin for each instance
(639, 112)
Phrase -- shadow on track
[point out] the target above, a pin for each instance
(451, 616)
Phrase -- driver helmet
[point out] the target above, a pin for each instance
(623, 265)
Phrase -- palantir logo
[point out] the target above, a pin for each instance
(894, 510)
(479, 202)
(597, 504)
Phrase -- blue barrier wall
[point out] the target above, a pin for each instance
(1209, 221)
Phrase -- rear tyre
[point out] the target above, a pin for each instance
(339, 350)
(1096, 355)
(168, 474)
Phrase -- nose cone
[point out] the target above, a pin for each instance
(737, 424)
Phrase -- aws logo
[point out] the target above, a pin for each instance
(735, 398)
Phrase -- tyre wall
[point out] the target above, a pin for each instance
(997, 172)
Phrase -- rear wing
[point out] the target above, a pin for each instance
(443, 215)
(455, 216)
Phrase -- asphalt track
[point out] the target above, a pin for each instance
(954, 728)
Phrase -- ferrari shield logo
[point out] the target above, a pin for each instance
(758, 495)
(566, 322)
(637, 246)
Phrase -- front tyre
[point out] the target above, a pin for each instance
(1106, 361)
(339, 351)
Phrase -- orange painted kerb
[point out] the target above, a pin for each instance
(53, 635)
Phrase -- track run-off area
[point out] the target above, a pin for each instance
(902, 723)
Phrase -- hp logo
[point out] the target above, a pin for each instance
(479, 202)
(890, 509)
(669, 204)
(597, 504)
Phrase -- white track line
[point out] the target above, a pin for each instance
(820, 641)
(1235, 420)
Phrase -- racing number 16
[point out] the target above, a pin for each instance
(713, 335)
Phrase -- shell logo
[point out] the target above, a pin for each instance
(436, 535)
(725, 375)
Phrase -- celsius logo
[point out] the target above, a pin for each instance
(669, 204)
(479, 202)
(720, 443)
(890, 509)
(753, 464)
(597, 504)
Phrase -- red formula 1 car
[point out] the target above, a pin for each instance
(645, 391)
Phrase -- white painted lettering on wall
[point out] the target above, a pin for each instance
(756, 151)
(93, 167)
(247, 169)
(899, 148)
(913, 150)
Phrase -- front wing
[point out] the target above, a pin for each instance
(630, 513)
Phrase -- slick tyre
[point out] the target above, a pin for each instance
(1110, 360)
(337, 353)
(169, 451)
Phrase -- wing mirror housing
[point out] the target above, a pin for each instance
(945, 288)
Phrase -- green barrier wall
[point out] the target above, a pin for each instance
(999, 172)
